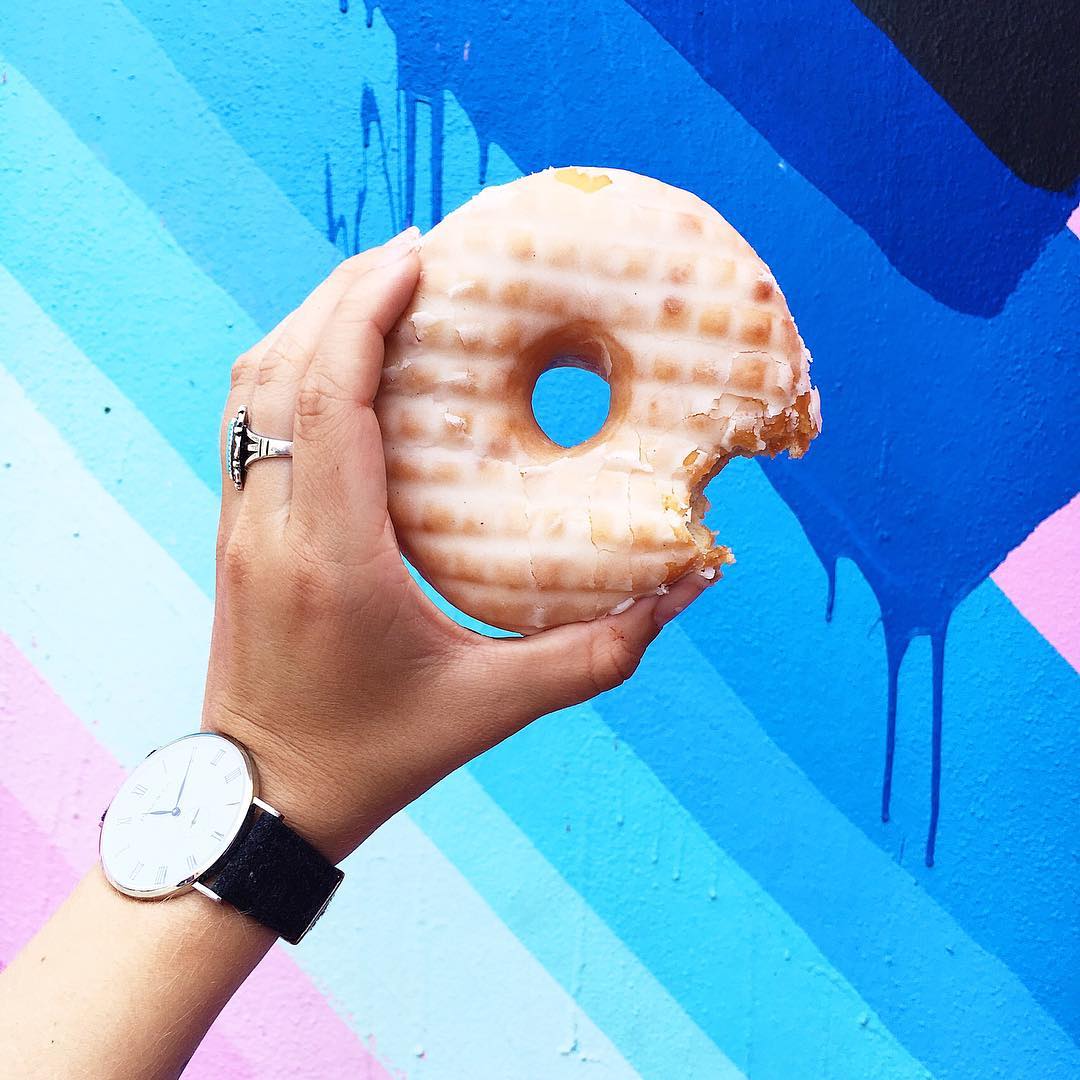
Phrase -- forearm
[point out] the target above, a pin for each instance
(114, 988)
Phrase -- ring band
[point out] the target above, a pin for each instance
(243, 446)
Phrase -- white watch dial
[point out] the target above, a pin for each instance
(176, 815)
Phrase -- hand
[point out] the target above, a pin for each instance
(352, 690)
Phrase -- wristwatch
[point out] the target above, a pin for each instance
(189, 817)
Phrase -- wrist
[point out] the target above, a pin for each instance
(305, 792)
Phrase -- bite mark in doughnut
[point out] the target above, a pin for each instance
(646, 286)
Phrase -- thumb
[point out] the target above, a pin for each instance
(566, 665)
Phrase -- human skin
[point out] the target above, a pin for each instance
(353, 693)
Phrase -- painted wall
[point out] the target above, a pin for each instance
(721, 869)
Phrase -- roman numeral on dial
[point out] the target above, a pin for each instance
(159, 877)
(233, 774)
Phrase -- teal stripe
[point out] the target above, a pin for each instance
(130, 460)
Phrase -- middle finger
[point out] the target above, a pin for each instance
(273, 397)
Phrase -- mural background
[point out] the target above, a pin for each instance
(691, 877)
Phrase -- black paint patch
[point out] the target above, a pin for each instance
(1010, 69)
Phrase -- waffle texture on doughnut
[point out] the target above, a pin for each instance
(640, 282)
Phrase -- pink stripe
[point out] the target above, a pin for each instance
(61, 775)
(1074, 221)
(1042, 578)
(45, 878)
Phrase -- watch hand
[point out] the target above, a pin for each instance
(184, 781)
(154, 813)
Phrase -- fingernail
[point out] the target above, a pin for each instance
(399, 246)
(680, 596)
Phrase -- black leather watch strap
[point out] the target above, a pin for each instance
(277, 877)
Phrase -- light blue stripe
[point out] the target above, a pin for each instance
(103, 267)
(123, 96)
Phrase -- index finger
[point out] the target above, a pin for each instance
(339, 474)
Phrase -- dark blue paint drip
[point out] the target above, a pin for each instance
(434, 103)
(894, 653)
(337, 231)
(410, 158)
(893, 366)
(485, 154)
(370, 118)
(895, 650)
(851, 114)
(830, 596)
(937, 647)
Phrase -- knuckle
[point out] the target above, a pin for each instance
(310, 405)
(236, 562)
(243, 370)
(611, 660)
(318, 393)
(286, 355)
(348, 268)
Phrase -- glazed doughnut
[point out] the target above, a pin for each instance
(643, 284)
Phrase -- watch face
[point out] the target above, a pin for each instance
(176, 815)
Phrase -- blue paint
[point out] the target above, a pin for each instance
(839, 102)
(1010, 711)
(570, 404)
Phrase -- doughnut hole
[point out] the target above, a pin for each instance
(571, 409)
(570, 403)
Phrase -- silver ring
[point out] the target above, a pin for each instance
(243, 446)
